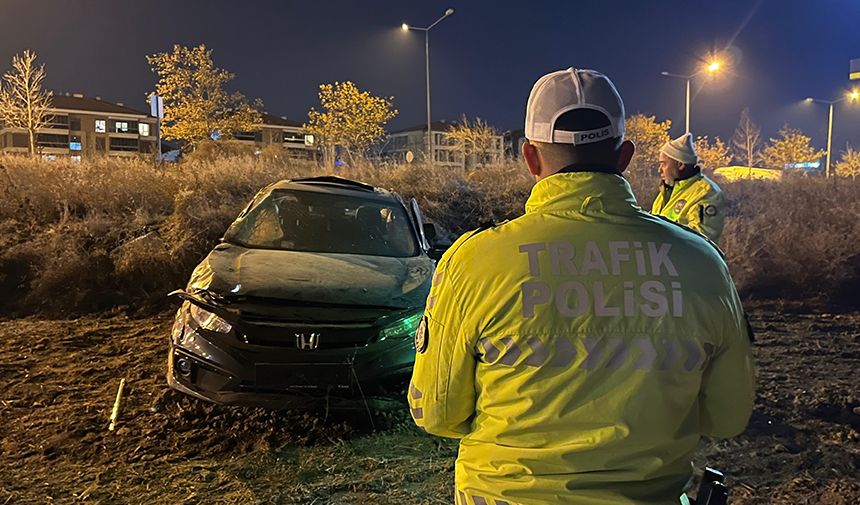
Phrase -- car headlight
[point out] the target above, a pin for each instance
(209, 321)
(405, 327)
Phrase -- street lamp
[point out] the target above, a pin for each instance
(713, 67)
(851, 96)
(405, 27)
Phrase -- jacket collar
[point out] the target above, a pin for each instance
(575, 191)
(588, 167)
(681, 184)
(689, 181)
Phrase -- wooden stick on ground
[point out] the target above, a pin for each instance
(115, 412)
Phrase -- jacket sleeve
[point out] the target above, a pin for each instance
(727, 392)
(708, 216)
(442, 392)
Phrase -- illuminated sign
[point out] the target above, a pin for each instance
(75, 146)
(813, 164)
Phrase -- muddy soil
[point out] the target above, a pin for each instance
(60, 380)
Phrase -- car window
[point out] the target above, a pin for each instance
(322, 222)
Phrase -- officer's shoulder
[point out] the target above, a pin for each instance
(693, 234)
(713, 190)
(468, 238)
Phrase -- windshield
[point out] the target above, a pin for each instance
(325, 223)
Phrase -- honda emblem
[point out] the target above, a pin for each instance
(307, 341)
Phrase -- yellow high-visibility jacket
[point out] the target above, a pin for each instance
(695, 202)
(580, 351)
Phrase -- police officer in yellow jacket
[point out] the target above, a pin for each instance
(686, 195)
(580, 351)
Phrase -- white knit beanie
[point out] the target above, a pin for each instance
(681, 149)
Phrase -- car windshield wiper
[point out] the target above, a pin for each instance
(202, 298)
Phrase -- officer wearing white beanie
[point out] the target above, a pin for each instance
(686, 195)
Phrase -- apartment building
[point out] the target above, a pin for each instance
(442, 152)
(81, 127)
(280, 131)
(514, 140)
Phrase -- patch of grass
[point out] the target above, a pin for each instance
(795, 240)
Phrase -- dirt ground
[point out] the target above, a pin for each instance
(60, 379)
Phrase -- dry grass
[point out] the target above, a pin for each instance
(795, 240)
(92, 236)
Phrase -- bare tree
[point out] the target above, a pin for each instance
(23, 102)
(476, 138)
(746, 142)
(849, 166)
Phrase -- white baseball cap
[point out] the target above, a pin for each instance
(567, 90)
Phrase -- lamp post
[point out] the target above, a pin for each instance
(851, 96)
(713, 67)
(405, 27)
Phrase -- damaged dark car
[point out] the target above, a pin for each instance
(314, 293)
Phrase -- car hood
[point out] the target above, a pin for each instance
(343, 279)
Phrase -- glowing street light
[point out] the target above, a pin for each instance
(405, 27)
(854, 95)
(713, 67)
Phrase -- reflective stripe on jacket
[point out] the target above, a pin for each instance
(580, 351)
(695, 202)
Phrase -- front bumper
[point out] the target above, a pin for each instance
(222, 369)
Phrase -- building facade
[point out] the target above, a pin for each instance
(514, 140)
(414, 140)
(280, 131)
(80, 127)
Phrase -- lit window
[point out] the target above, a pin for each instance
(144, 129)
(101, 125)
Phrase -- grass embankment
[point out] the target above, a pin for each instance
(110, 233)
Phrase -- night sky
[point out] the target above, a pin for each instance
(484, 59)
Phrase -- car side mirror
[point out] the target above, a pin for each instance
(436, 252)
(429, 232)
